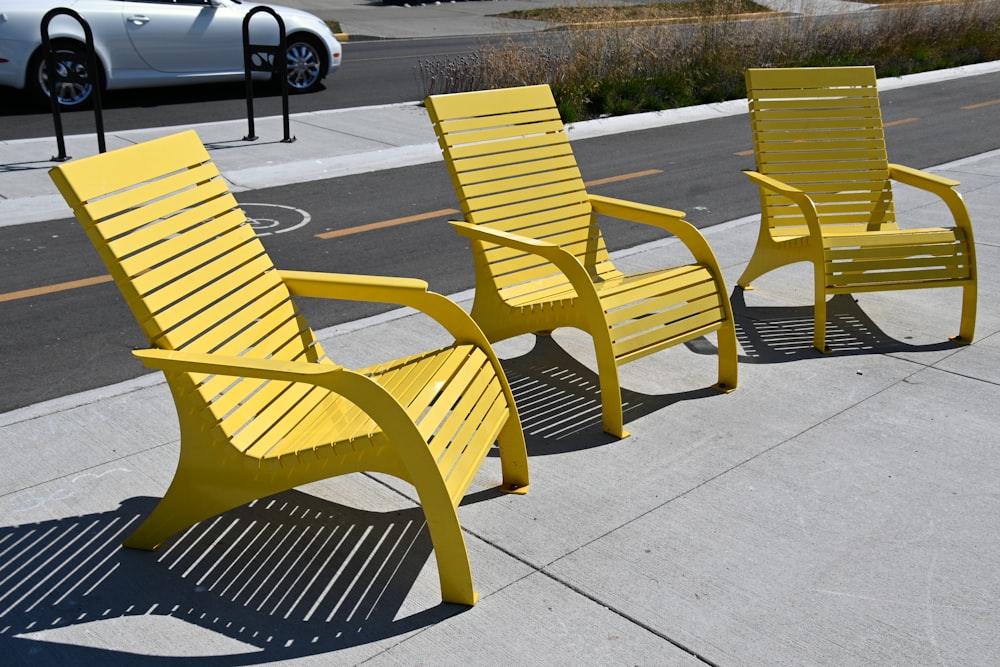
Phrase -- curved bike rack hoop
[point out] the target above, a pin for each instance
(56, 77)
(265, 58)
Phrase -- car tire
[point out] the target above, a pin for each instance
(70, 56)
(307, 63)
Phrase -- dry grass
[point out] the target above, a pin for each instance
(661, 11)
(627, 68)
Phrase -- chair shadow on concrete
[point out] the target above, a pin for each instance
(559, 399)
(288, 576)
(776, 334)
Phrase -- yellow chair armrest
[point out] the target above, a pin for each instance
(506, 239)
(359, 389)
(940, 186)
(218, 364)
(410, 292)
(351, 287)
(669, 220)
(562, 259)
(919, 178)
(798, 197)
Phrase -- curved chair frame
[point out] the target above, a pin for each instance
(261, 407)
(826, 194)
(539, 255)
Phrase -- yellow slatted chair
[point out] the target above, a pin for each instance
(826, 194)
(540, 259)
(262, 408)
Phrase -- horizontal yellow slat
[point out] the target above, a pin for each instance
(145, 193)
(671, 327)
(502, 140)
(474, 383)
(532, 192)
(656, 296)
(800, 153)
(764, 78)
(895, 251)
(484, 168)
(686, 330)
(280, 334)
(167, 263)
(872, 171)
(212, 199)
(857, 267)
(462, 474)
(561, 179)
(242, 263)
(261, 426)
(526, 275)
(455, 129)
(567, 208)
(842, 181)
(569, 234)
(156, 230)
(768, 135)
(183, 300)
(487, 102)
(912, 237)
(549, 206)
(926, 275)
(820, 114)
(218, 321)
(811, 101)
(123, 168)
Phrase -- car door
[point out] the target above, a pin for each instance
(185, 36)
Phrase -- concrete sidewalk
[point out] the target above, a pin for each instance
(834, 510)
(328, 144)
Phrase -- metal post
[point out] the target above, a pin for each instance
(266, 58)
(93, 78)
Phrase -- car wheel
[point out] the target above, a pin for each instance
(71, 64)
(306, 63)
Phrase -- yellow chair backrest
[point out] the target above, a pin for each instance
(513, 167)
(192, 286)
(820, 130)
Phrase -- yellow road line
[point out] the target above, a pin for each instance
(981, 105)
(386, 223)
(50, 289)
(624, 177)
(336, 233)
(97, 280)
(901, 121)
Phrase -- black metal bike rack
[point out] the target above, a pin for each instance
(266, 58)
(56, 78)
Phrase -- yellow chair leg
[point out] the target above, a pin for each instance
(454, 570)
(728, 357)
(967, 326)
(612, 414)
(819, 324)
(181, 507)
(513, 457)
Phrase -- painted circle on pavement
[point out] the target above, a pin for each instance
(269, 219)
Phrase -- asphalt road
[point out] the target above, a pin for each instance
(373, 72)
(78, 339)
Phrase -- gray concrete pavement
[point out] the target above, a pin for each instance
(835, 510)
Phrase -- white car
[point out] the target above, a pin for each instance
(140, 43)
